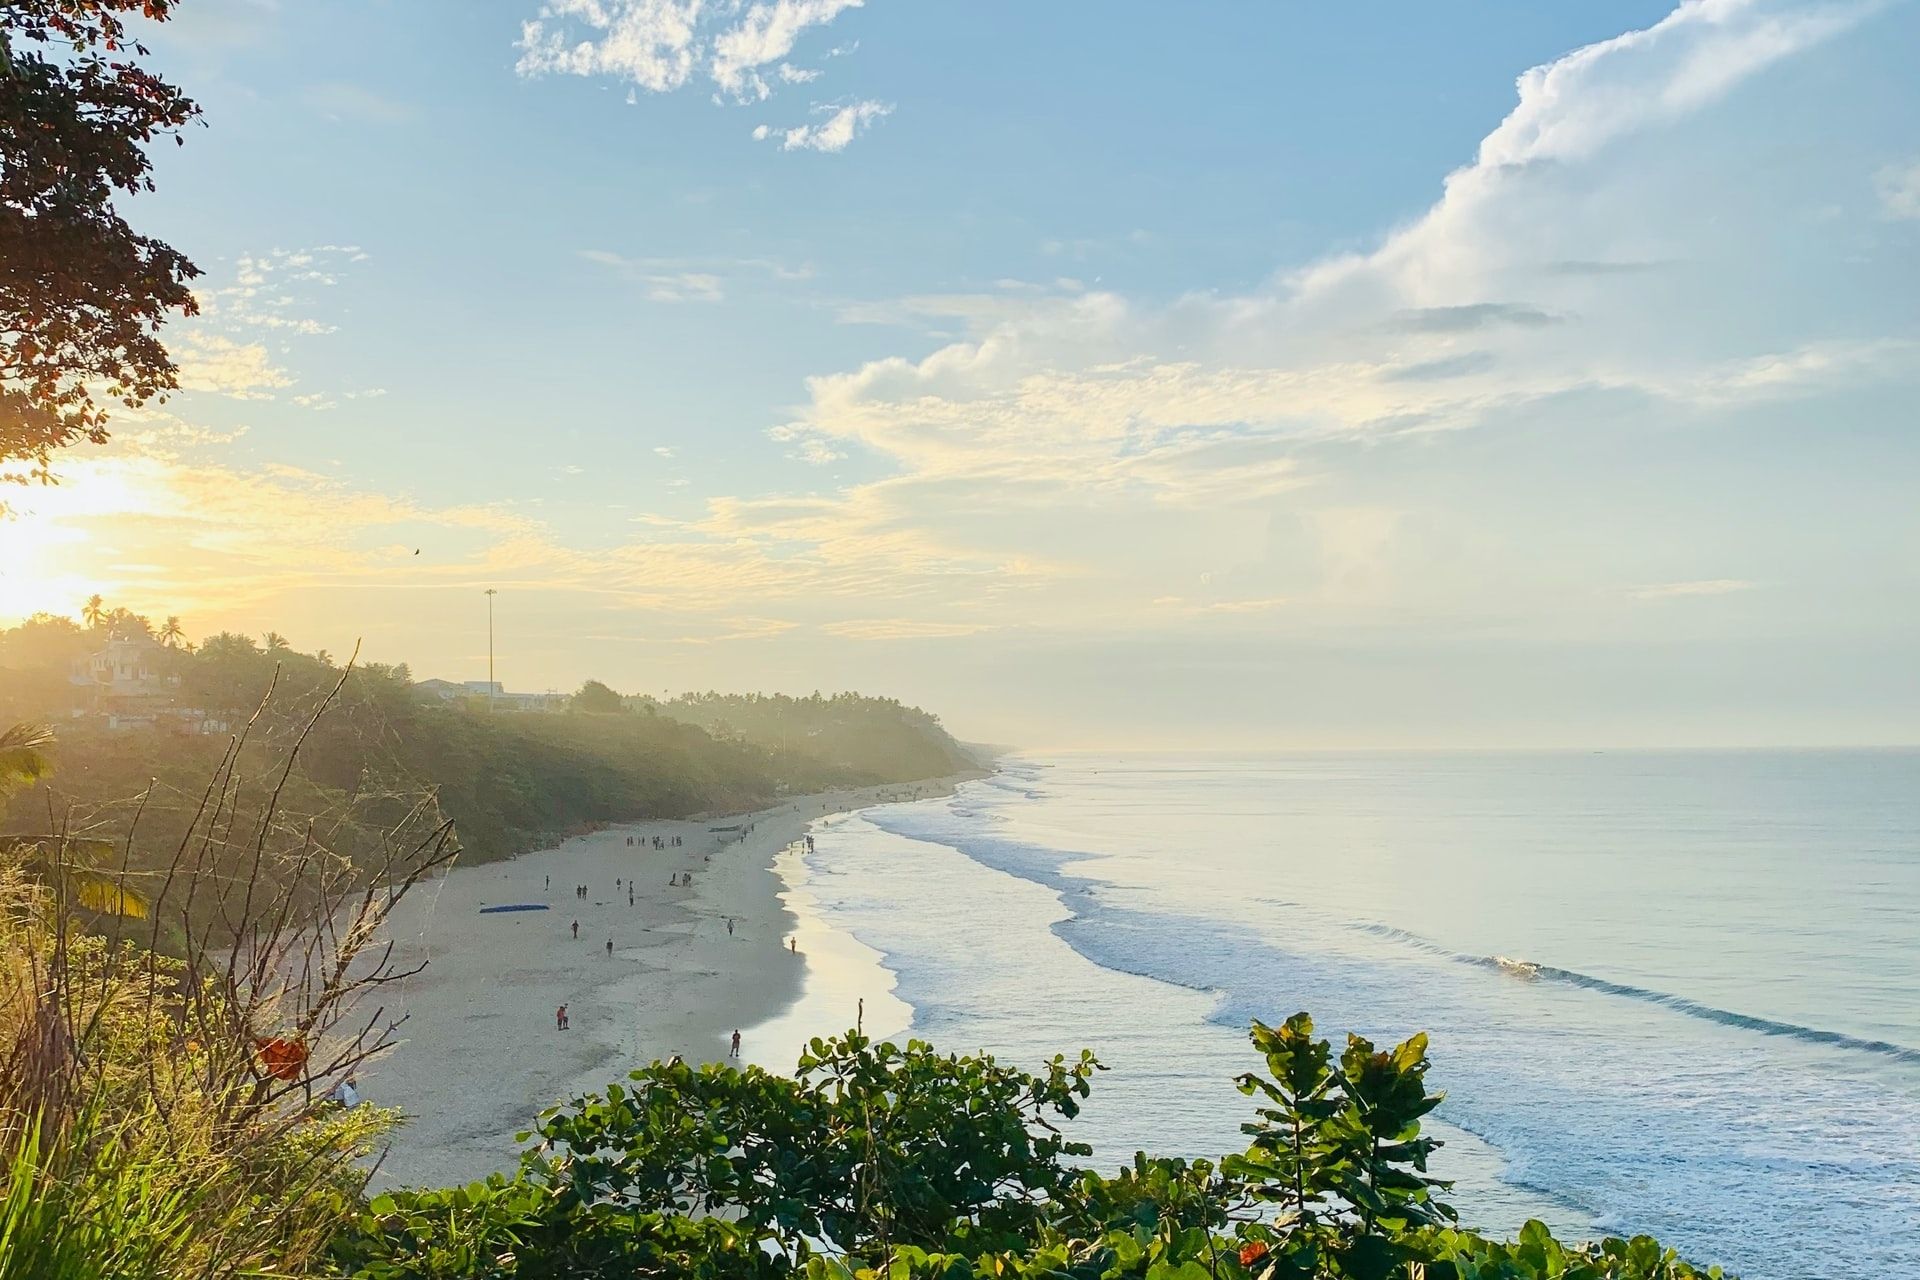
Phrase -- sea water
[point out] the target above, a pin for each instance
(1667, 993)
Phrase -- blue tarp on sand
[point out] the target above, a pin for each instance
(516, 906)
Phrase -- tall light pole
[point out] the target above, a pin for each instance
(491, 686)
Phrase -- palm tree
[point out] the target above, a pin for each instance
(94, 611)
(171, 634)
(50, 860)
(276, 643)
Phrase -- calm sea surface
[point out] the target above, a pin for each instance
(1674, 993)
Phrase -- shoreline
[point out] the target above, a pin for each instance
(844, 980)
(479, 1055)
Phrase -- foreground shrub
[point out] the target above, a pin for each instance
(881, 1163)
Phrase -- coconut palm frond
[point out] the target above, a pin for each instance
(68, 866)
(103, 895)
(23, 756)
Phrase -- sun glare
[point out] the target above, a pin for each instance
(44, 554)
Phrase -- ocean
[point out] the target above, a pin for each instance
(1673, 993)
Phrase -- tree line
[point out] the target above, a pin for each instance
(508, 781)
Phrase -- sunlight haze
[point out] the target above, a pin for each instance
(1216, 375)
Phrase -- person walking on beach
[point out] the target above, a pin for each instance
(734, 1052)
(609, 948)
(560, 1018)
(629, 895)
(547, 882)
(576, 931)
(793, 944)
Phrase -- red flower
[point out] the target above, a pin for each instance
(1252, 1251)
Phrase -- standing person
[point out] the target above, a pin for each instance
(629, 895)
(734, 1052)
(547, 882)
(560, 1018)
(609, 948)
(793, 944)
(576, 931)
(729, 926)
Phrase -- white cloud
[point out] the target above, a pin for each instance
(834, 133)
(243, 371)
(662, 45)
(1898, 186)
(764, 36)
(654, 43)
(692, 279)
(1477, 309)
(277, 291)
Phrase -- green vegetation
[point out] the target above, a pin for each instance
(881, 1163)
(510, 781)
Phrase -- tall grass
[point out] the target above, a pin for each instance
(144, 1133)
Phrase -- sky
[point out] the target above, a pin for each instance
(1224, 375)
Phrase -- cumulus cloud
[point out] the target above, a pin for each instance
(654, 43)
(763, 37)
(1567, 267)
(1526, 255)
(661, 46)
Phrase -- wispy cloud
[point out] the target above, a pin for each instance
(1898, 186)
(1474, 315)
(901, 629)
(842, 125)
(691, 279)
(1680, 590)
(241, 370)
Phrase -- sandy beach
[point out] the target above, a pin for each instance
(479, 1054)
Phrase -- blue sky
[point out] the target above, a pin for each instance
(1231, 374)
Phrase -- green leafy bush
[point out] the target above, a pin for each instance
(880, 1163)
